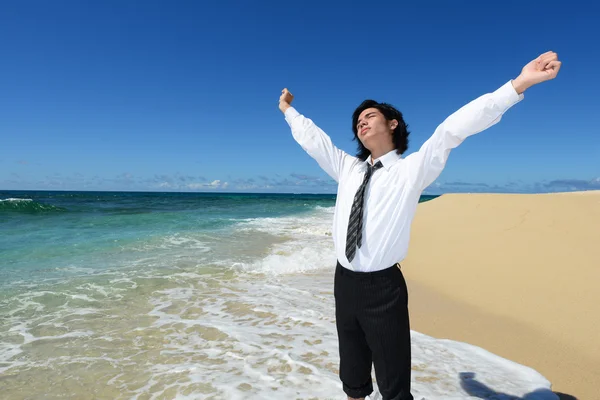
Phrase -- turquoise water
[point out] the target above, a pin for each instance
(48, 234)
(160, 295)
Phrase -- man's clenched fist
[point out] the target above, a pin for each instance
(285, 100)
(542, 69)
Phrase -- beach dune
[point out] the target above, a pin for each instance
(516, 274)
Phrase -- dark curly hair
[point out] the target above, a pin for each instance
(400, 135)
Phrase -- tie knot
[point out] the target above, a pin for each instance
(375, 167)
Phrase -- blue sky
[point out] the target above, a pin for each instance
(182, 95)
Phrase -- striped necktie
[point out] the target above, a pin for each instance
(355, 223)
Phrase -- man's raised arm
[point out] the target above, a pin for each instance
(313, 140)
(427, 164)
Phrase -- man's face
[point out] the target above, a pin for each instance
(373, 129)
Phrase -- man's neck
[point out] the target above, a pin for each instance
(375, 154)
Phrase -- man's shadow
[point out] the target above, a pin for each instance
(478, 389)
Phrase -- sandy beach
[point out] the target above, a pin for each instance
(516, 274)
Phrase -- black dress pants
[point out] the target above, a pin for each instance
(373, 329)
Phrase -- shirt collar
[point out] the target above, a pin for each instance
(387, 159)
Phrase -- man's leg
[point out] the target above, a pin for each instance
(385, 321)
(355, 355)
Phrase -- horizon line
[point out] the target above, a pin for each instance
(271, 193)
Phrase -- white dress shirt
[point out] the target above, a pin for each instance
(393, 193)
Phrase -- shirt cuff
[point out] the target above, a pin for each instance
(509, 95)
(290, 114)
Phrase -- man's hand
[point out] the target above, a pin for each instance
(285, 100)
(543, 68)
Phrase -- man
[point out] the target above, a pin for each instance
(377, 197)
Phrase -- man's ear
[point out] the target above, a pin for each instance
(393, 124)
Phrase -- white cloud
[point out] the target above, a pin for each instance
(216, 184)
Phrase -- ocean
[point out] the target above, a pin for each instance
(114, 295)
